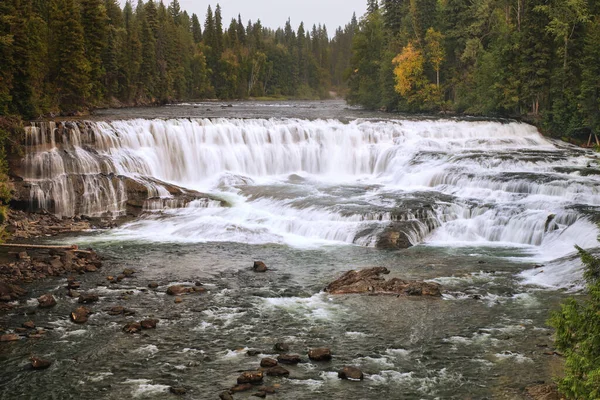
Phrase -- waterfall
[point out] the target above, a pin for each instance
(321, 181)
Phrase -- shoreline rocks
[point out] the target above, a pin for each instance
(370, 281)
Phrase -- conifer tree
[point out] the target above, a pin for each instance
(70, 67)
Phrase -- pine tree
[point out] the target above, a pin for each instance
(7, 12)
(95, 30)
(70, 67)
(196, 29)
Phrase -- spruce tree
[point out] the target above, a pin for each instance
(95, 32)
(70, 67)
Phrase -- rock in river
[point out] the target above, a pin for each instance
(178, 290)
(260, 266)
(289, 359)
(253, 377)
(320, 354)
(278, 371)
(46, 301)
(268, 362)
(369, 281)
(80, 315)
(149, 323)
(351, 373)
(40, 363)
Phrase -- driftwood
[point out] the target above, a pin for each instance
(73, 247)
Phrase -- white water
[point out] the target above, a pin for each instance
(307, 183)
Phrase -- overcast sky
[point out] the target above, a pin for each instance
(274, 13)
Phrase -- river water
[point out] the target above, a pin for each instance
(309, 187)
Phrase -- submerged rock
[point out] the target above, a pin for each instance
(177, 390)
(177, 290)
(370, 281)
(149, 323)
(88, 298)
(278, 371)
(244, 387)
(289, 359)
(320, 354)
(40, 363)
(351, 373)
(281, 347)
(225, 396)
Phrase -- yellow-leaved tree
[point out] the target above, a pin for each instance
(409, 71)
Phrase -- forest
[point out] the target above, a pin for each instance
(63, 56)
(532, 59)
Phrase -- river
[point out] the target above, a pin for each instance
(491, 208)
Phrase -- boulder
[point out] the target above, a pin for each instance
(278, 371)
(29, 325)
(225, 396)
(80, 315)
(268, 363)
(252, 377)
(46, 301)
(128, 272)
(351, 373)
(11, 337)
(177, 290)
(40, 363)
(149, 323)
(133, 327)
(370, 281)
(260, 395)
(253, 352)
(260, 266)
(244, 387)
(177, 390)
(320, 354)
(281, 347)
(88, 298)
(289, 359)
(153, 285)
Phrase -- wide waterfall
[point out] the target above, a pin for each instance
(391, 184)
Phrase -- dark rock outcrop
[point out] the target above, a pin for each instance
(370, 281)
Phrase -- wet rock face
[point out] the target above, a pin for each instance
(370, 281)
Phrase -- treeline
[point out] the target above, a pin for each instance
(66, 55)
(538, 59)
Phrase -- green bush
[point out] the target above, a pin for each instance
(577, 326)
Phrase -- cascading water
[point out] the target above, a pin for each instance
(307, 182)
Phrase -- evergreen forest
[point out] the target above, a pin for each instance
(533, 59)
(62, 56)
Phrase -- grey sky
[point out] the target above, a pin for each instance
(274, 13)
